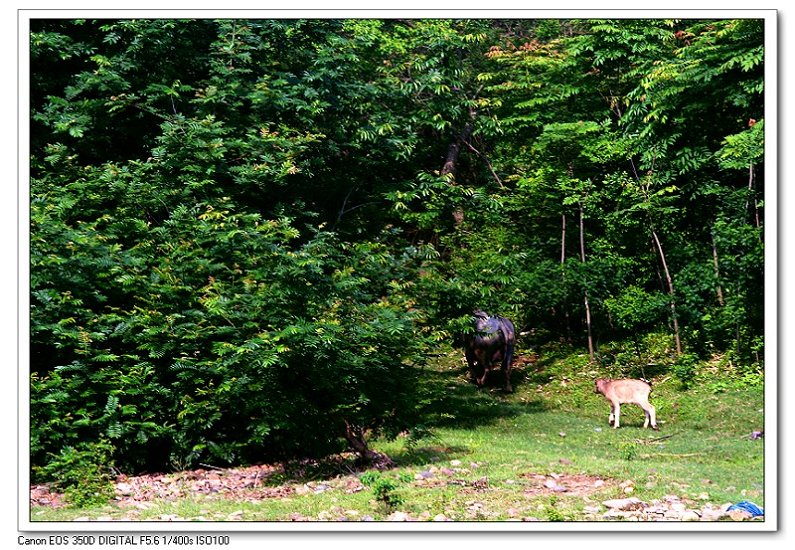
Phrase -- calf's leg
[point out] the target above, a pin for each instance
(650, 417)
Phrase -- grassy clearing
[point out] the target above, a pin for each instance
(495, 457)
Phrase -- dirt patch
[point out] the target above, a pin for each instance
(223, 483)
(247, 482)
(258, 482)
(578, 485)
(42, 495)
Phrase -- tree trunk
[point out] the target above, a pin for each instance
(718, 288)
(658, 245)
(355, 438)
(585, 291)
(751, 194)
(750, 191)
(670, 291)
(354, 435)
(454, 150)
(451, 160)
(563, 272)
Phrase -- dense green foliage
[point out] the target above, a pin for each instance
(246, 236)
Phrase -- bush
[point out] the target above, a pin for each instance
(218, 337)
(83, 473)
(383, 488)
(685, 369)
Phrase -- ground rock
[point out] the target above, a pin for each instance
(124, 489)
(739, 515)
(625, 504)
(678, 507)
(712, 514)
(690, 515)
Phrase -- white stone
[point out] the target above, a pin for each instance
(690, 515)
(631, 503)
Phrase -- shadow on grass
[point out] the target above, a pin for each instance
(451, 400)
(412, 456)
(432, 450)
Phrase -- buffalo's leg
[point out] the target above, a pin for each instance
(472, 361)
(506, 368)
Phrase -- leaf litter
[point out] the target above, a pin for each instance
(265, 481)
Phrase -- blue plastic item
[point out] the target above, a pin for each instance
(749, 507)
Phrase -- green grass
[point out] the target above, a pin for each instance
(487, 447)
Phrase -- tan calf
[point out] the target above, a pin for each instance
(618, 392)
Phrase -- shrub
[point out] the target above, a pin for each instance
(685, 369)
(83, 473)
(220, 337)
(383, 488)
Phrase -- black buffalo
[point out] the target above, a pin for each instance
(492, 341)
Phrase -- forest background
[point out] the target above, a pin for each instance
(241, 228)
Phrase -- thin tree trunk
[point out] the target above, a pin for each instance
(751, 194)
(737, 335)
(658, 245)
(670, 291)
(488, 163)
(563, 271)
(660, 281)
(585, 291)
(750, 183)
(718, 288)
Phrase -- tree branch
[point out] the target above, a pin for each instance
(485, 158)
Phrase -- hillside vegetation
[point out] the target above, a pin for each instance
(260, 241)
